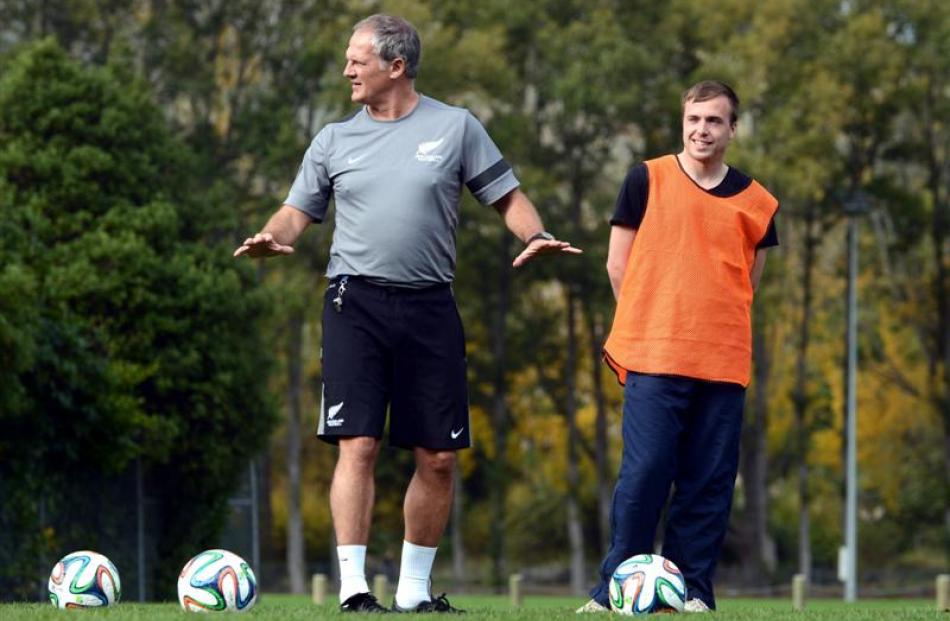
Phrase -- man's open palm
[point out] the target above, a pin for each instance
(262, 245)
(540, 247)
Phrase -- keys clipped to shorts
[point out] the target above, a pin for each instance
(340, 290)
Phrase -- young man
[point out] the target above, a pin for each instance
(687, 249)
(391, 331)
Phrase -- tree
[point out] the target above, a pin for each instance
(146, 328)
(924, 28)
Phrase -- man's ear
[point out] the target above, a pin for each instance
(397, 68)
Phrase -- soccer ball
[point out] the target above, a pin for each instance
(217, 580)
(647, 583)
(84, 579)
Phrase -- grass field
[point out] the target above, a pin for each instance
(490, 608)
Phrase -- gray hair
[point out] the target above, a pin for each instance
(394, 37)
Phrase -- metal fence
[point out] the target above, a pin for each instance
(116, 517)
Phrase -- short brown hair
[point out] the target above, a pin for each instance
(710, 89)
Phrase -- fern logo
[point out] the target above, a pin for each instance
(332, 420)
(424, 153)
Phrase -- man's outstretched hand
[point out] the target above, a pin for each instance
(262, 245)
(544, 246)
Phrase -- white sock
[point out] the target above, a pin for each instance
(414, 571)
(352, 571)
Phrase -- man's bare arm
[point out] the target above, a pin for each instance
(618, 253)
(278, 235)
(522, 219)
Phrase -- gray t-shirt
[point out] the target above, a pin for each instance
(397, 186)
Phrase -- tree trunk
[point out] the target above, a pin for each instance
(801, 400)
(263, 503)
(575, 531)
(499, 416)
(334, 573)
(601, 442)
(940, 230)
(596, 329)
(759, 551)
(458, 544)
(804, 523)
(295, 536)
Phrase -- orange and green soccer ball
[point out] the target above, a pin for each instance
(217, 581)
(647, 583)
(84, 579)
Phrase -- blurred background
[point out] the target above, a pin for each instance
(158, 397)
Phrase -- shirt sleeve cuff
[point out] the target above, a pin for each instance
(500, 187)
(297, 200)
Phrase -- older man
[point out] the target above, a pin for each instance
(392, 333)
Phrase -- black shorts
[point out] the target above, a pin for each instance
(397, 347)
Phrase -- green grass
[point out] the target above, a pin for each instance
(490, 608)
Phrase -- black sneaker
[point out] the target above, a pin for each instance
(362, 602)
(439, 604)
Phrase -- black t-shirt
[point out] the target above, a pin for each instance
(632, 200)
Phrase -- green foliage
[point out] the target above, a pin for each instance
(134, 329)
(104, 215)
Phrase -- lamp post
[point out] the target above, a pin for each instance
(856, 205)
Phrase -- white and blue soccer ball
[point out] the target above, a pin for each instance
(647, 583)
(84, 579)
(217, 581)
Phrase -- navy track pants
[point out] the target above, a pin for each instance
(685, 433)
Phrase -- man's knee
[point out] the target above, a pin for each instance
(359, 451)
(436, 463)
